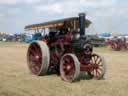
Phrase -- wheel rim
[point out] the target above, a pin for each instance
(99, 66)
(67, 68)
(34, 58)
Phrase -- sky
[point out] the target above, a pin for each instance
(106, 15)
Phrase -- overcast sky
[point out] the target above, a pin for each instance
(106, 15)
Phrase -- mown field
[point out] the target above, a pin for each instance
(16, 80)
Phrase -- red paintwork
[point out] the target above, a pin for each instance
(88, 68)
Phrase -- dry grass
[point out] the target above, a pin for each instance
(15, 79)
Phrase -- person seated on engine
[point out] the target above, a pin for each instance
(52, 36)
(63, 31)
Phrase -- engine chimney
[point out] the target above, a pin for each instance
(82, 24)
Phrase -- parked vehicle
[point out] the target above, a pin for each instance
(65, 50)
(117, 43)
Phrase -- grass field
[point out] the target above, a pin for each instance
(15, 79)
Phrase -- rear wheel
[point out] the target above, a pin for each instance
(38, 57)
(69, 67)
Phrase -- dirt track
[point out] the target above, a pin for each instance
(15, 79)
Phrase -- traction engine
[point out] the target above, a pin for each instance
(117, 44)
(65, 52)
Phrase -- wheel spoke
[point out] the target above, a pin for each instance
(98, 73)
(36, 48)
(33, 70)
(93, 60)
(100, 62)
(32, 65)
(71, 61)
(101, 70)
(96, 58)
(37, 68)
(32, 58)
(32, 52)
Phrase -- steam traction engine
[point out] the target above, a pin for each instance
(117, 43)
(64, 50)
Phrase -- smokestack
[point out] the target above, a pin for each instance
(82, 24)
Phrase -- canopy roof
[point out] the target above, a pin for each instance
(53, 24)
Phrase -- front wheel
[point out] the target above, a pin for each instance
(99, 68)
